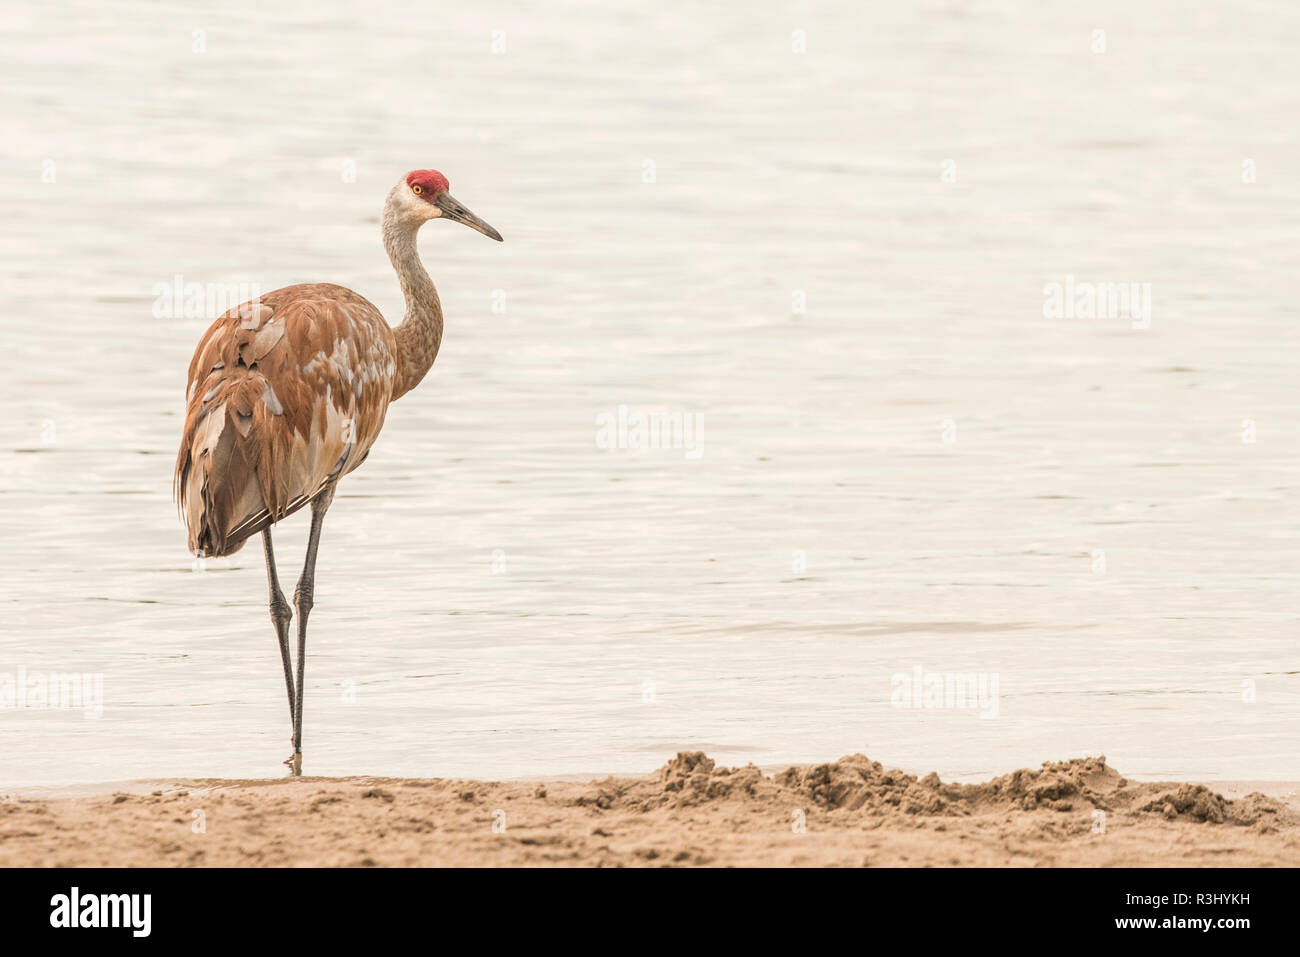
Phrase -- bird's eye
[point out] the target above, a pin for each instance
(417, 189)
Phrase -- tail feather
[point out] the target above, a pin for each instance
(216, 479)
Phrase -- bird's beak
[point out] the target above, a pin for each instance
(453, 210)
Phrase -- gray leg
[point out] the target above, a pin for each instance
(281, 615)
(302, 598)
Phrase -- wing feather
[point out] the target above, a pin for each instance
(285, 395)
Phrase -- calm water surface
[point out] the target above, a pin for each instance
(918, 469)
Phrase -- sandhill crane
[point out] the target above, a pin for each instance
(288, 392)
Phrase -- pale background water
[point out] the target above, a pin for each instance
(775, 171)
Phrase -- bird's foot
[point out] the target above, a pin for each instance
(295, 764)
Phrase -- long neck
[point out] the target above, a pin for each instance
(420, 333)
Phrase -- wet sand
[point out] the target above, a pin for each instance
(852, 812)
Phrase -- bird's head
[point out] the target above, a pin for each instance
(423, 196)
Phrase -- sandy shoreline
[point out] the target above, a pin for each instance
(851, 812)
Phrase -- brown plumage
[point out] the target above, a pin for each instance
(287, 393)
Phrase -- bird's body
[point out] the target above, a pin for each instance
(288, 392)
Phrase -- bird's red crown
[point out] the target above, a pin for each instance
(427, 183)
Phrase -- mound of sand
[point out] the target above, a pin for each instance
(853, 811)
(858, 785)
